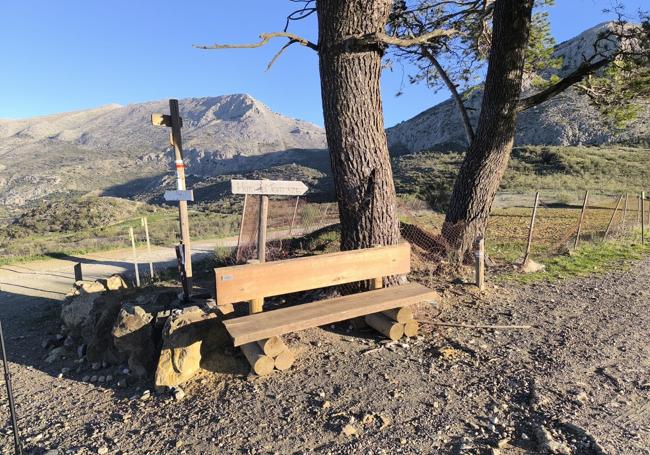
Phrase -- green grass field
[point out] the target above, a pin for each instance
(562, 174)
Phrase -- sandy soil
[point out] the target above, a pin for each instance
(577, 382)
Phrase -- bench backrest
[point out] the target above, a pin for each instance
(241, 283)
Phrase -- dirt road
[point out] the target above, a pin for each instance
(577, 382)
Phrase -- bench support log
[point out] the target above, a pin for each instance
(284, 360)
(272, 346)
(384, 325)
(411, 328)
(403, 314)
(260, 363)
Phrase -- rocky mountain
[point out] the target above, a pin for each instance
(568, 119)
(113, 146)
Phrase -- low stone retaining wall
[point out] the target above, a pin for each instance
(149, 329)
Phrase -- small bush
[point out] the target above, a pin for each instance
(438, 194)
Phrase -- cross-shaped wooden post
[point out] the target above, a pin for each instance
(175, 122)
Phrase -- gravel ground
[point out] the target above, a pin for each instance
(577, 382)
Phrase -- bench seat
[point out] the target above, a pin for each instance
(260, 326)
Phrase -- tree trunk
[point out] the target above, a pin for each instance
(354, 122)
(487, 157)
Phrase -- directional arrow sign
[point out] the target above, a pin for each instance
(269, 187)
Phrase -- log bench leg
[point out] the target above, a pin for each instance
(261, 363)
(265, 355)
(255, 305)
(394, 323)
(385, 325)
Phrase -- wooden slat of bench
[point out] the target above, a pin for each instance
(259, 326)
(241, 283)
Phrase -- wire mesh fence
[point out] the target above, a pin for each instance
(559, 218)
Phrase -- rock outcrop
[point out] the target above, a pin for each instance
(568, 119)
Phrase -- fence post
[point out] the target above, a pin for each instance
(582, 217)
(638, 209)
(611, 220)
(625, 209)
(135, 258)
(293, 218)
(530, 229)
(145, 224)
(480, 264)
(642, 217)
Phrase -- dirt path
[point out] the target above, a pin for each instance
(578, 382)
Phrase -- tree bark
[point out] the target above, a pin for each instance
(487, 157)
(354, 123)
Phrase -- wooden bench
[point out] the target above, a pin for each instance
(252, 282)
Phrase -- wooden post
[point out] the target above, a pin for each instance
(255, 305)
(582, 217)
(241, 228)
(648, 214)
(135, 258)
(530, 229)
(176, 140)
(293, 218)
(611, 220)
(78, 275)
(261, 231)
(480, 263)
(638, 209)
(625, 209)
(145, 224)
(642, 217)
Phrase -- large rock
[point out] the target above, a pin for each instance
(98, 331)
(183, 338)
(78, 305)
(133, 335)
(113, 283)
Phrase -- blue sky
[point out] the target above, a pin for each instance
(68, 55)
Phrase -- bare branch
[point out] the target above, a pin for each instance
(469, 131)
(383, 38)
(277, 55)
(265, 38)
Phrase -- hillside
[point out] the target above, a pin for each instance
(568, 119)
(114, 145)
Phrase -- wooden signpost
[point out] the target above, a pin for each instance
(182, 195)
(264, 189)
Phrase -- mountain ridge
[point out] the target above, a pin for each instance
(113, 144)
